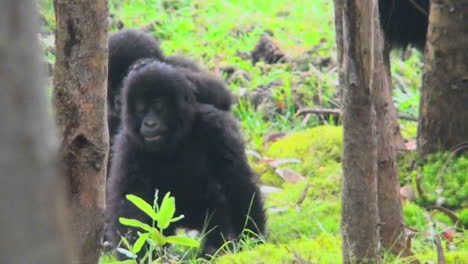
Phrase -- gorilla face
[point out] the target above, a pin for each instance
(158, 106)
(153, 125)
(155, 119)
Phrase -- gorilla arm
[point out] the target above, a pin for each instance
(123, 179)
(227, 153)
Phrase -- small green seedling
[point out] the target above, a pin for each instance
(152, 236)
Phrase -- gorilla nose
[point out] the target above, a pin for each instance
(151, 123)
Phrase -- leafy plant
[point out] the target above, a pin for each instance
(152, 236)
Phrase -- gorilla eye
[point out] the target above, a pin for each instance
(140, 107)
(158, 104)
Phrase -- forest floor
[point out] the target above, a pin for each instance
(296, 156)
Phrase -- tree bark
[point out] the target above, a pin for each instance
(392, 233)
(359, 195)
(443, 122)
(32, 223)
(80, 82)
(338, 8)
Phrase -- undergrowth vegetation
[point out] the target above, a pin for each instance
(298, 157)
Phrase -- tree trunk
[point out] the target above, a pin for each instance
(392, 233)
(80, 82)
(443, 122)
(29, 194)
(359, 196)
(338, 4)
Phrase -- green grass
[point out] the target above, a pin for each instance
(216, 33)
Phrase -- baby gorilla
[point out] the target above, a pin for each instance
(127, 47)
(173, 143)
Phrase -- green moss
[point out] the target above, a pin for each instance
(319, 149)
(440, 176)
(321, 249)
(318, 189)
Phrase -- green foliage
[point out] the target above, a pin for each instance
(409, 129)
(406, 77)
(463, 216)
(414, 216)
(152, 236)
(441, 177)
(251, 121)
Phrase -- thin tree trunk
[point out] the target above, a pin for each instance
(443, 122)
(80, 99)
(338, 4)
(391, 229)
(395, 135)
(359, 195)
(31, 225)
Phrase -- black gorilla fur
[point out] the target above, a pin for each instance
(125, 48)
(404, 23)
(172, 142)
(128, 46)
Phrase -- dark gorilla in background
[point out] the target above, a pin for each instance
(128, 46)
(125, 48)
(404, 22)
(172, 142)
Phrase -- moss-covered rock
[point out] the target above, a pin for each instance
(316, 147)
(319, 150)
(267, 174)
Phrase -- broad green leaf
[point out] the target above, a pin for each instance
(135, 223)
(140, 242)
(166, 211)
(142, 205)
(127, 253)
(157, 237)
(183, 241)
